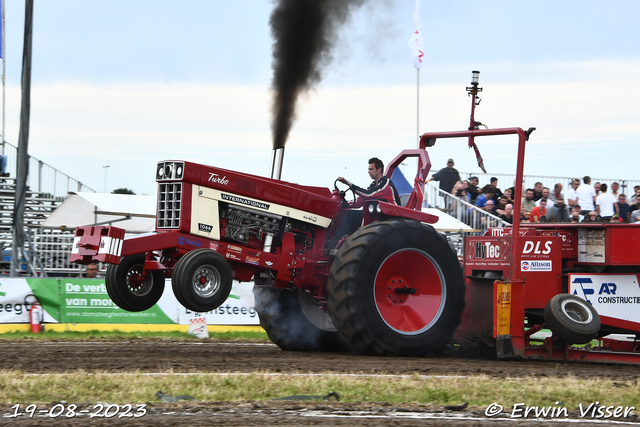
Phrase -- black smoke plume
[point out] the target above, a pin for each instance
(305, 32)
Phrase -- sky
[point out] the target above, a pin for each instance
(130, 83)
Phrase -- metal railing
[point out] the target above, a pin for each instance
(508, 180)
(474, 217)
(44, 178)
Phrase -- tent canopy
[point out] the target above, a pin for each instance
(80, 209)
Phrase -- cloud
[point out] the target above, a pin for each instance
(79, 126)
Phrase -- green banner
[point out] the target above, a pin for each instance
(86, 301)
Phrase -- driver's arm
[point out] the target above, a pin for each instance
(381, 191)
(344, 181)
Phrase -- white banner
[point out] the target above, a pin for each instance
(612, 295)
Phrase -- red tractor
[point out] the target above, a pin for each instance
(394, 286)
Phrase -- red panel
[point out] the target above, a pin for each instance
(623, 244)
(318, 200)
(538, 261)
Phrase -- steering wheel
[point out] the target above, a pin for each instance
(343, 195)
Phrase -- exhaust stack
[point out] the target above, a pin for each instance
(276, 163)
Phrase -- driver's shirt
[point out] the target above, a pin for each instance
(383, 190)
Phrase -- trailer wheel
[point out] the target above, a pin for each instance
(572, 319)
(396, 288)
(129, 289)
(202, 280)
(293, 322)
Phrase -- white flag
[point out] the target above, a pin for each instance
(416, 38)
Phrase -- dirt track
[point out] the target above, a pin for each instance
(56, 357)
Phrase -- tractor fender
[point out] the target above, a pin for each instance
(402, 212)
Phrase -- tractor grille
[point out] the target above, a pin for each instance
(169, 201)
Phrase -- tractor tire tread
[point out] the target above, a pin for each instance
(354, 328)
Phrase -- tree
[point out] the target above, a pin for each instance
(122, 191)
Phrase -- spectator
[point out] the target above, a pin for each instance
(459, 190)
(622, 208)
(586, 196)
(634, 216)
(508, 193)
(596, 187)
(92, 270)
(507, 215)
(513, 190)
(3, 165)
(488, 207)
(497, 191)
(473, 189)
(615, 190)
(615, 219)
(447, 176)
(487, 194)
(592, 216)
(537, 191)
(555, 194)
(633, 199)
(460, 194)
(539, 211)
(604, 203)
(527, 202)
(500, 207)
(545, 195)
(572, 196)
(558, 210)
(523, 215)
(575, 214)
(634, 207)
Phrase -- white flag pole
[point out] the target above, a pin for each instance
(416, 45)
(4, 53)
(418, 106)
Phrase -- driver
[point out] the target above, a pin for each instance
(380, 189)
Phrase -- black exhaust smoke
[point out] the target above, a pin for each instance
(304, 32)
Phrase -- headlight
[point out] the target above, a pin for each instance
(371, 208)
(378, 209)
(169, 170)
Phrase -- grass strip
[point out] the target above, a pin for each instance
(117, 335)
(479, 391)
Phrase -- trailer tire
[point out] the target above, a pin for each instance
(572, 319)
(202, 280)
(283, 317)
(396, 288)
(126, 288)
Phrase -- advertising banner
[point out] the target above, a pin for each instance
(612, 295)
(71, 300)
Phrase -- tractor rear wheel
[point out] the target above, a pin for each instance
(129, 288)
(294, 322)
(396, 288)
(572, 319)
(202, 280)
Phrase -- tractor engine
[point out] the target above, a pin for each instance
(250, 227)
(262, 230)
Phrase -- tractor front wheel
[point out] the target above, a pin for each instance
(202, 280)
(132, 289)
(396, 288)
